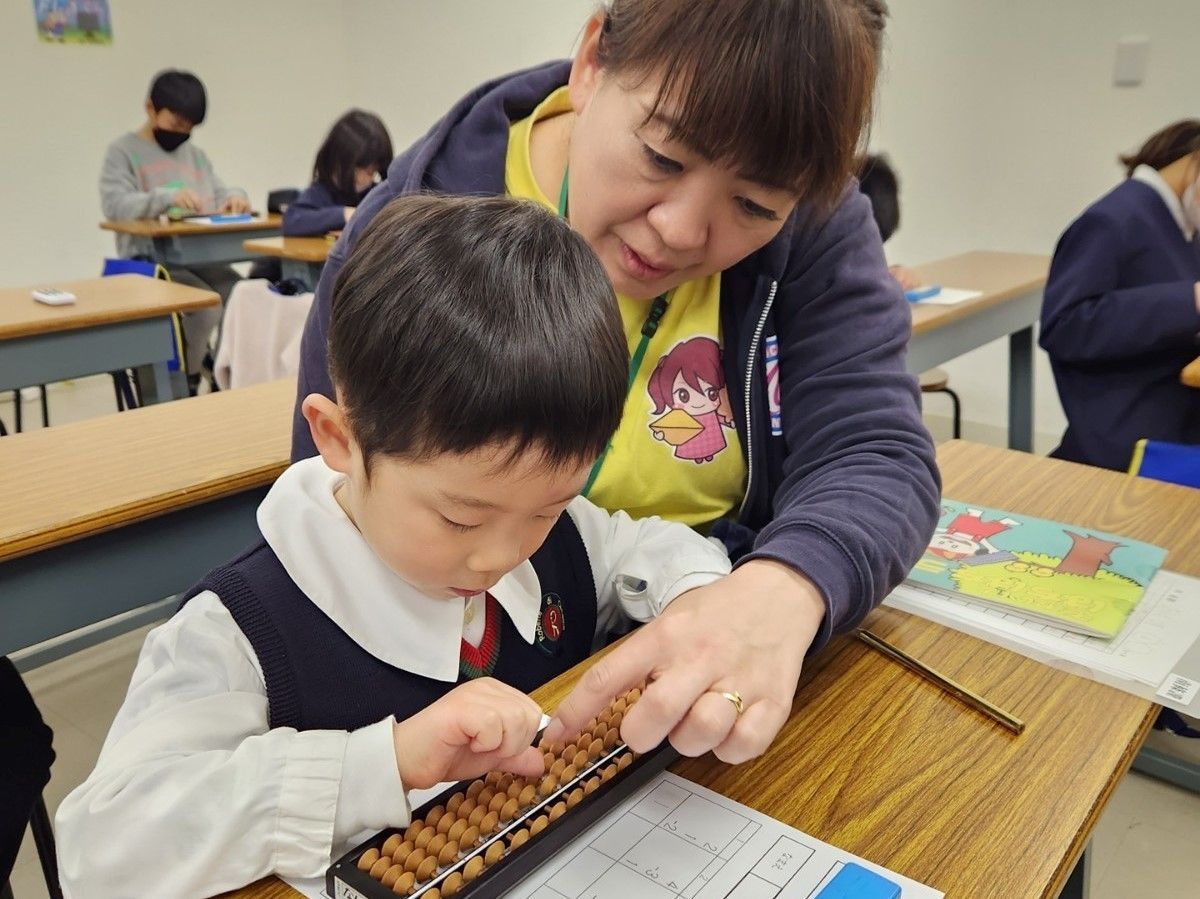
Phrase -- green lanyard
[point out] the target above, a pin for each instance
(657, 309)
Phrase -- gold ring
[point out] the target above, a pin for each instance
(736, 698)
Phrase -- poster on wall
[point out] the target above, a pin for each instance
(73, 21)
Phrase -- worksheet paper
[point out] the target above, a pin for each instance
(675, 840)
(1146, 651)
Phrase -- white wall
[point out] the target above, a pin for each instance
(274, 70)
(1003, 122)
(1000, 116)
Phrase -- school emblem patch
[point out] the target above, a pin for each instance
(551, 626)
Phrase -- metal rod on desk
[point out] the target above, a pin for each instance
(974, 700)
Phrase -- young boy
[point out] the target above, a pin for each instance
(157, 168)
(433, 564)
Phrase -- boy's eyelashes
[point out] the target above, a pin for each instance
(464, 528)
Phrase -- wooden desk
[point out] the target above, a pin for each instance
(1191, 373)
(118, 322)
(885, 765)
(196, 243)
(300, 257)
(1011, 284)
(106, 515)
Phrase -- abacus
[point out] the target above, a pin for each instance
(480, 838)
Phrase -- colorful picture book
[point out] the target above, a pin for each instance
(1076, 578)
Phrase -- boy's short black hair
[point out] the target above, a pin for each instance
(181, 92)
(357, 139)
(459, 323)
(877, 179)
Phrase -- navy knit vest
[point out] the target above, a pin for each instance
(318, 678)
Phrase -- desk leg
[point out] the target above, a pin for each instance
(1079, 884)
(1020, 390)
(157, 384)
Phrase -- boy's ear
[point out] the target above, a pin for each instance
(150, 111)
(330, 431)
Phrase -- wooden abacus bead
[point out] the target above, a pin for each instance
(557, 767)
(633, 695)
(434, 893)
(557, 811)
(538, 825)
(505, 783)
(469, 805)
(509, 811)
(446, 822)
(404, 883)
(452, 884)
(527, 795)
(608, 773)
(493, 777)
(519, 839)
(548, 760)
(469, 838)
(435, 814)
(455, 832)
(402, 852)
(515, 788)
(488, 825)
(474, 788)
(581, 759)
(494, 853)
(455, 802)
(605, 716)
(426, 869)
(427, 833)
(473, 868)
(436, 844)
(575, 797)
(380, 866)
(620, 706)
(412, 830)
(612, 738)
(391, 844)
(448, 854)
(548, 785)
(391, 875)
(497, 802)
(569, 774)
(584, 741)
(616, 722)
(591, 786)
(368, 859)
(477, 815)
(414, 859)
(595, 749)
(624, 761)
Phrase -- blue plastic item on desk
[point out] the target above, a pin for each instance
(922, 293)
(856, 882)
(231, 217)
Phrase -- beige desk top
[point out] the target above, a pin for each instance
(154, 228)
(100, 301)
(1000, 276)
(75, 480)
(302, 249)
(885, 765)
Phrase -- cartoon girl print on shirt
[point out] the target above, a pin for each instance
(689, 382)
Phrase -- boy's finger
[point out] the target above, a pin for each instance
(626, 666)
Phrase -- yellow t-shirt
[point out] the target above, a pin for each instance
(676, 453)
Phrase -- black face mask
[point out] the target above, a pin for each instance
(170, 140)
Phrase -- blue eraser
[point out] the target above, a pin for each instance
(922, 293)
(856, 882)
(231, 217)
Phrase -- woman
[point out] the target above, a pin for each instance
(1121, 314)
(354, 154)
(705, 151)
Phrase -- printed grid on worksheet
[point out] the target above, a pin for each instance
(671, 843)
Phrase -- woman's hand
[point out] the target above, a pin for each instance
(909, 278)
(745, 634)
(483, 725)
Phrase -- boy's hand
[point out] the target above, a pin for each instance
(481, 726)
(909, 278)
(186, 198)
(235, 205)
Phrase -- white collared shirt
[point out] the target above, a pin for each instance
(195, 794)
(1148, 175)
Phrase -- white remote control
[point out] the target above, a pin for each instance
(52, 296)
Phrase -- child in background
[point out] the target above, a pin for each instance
(354, 156)
(877, 179)
(414, 581)
(156, 169)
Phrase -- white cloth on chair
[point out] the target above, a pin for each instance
(260, 337)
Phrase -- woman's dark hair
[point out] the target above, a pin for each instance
(464, 322)
(780, 89)
(180, 92)
(877, 179)
(359, 139)
(1169, 145)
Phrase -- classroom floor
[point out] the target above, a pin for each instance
(1142, 846)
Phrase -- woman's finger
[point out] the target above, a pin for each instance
(706, 725)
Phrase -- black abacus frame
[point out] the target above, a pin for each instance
(517, 865)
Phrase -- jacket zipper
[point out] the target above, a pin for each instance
(762, 322)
